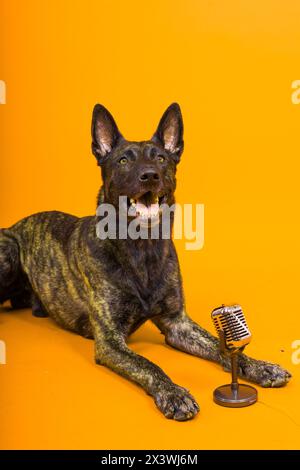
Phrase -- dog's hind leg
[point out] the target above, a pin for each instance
(9, 265)
(21, 297)
(184, 334)
(38, 309)
(14, 285)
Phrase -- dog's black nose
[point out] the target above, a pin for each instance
(149, 176)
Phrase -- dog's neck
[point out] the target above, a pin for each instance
(144, 258)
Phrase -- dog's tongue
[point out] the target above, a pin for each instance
(146, 211)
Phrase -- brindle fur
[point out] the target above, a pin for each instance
(106, 289)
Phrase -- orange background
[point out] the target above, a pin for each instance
(230, 65)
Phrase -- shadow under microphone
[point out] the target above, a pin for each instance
(234, 334)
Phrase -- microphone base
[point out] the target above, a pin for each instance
(244, 395)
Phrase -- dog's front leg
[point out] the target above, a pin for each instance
(183, 333)
(112, 351)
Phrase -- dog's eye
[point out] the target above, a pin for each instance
(123, 160)
(161, 158)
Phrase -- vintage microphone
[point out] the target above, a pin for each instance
(234, 334)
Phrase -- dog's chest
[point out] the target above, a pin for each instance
(143, 279)
(152, 291)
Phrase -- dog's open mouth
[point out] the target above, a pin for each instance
(145, 206)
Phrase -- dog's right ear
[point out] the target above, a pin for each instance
(105, 133)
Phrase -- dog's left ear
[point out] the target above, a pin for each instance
(170, 131)
(105, 133)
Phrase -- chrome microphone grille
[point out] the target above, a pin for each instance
(231, 320)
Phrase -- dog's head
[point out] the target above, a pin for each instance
(144, 172)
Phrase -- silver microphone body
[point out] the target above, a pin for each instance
(233, 331)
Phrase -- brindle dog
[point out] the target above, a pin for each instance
(106, 288)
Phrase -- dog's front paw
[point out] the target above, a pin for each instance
(264, 373)
(176, 403)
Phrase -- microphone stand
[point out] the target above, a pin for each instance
(234, 395)
(234, 369)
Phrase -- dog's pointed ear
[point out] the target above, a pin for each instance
(105, 133)
(170, 131)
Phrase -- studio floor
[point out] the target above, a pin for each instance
(53, 396)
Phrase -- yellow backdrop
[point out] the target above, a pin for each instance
(230, 65)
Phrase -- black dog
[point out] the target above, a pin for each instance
(107, 288)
